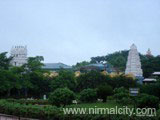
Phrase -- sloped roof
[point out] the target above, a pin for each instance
(98, 66)
(56, 66)
(149, 80)
(156, 73)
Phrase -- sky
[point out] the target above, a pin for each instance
(71, 31)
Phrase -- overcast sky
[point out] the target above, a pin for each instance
(71, 31)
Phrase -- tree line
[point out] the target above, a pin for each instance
(29, 80)
(118, 61)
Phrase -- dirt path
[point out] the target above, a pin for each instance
(7, 118)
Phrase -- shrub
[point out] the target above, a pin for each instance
(147, 101)
(29, 111)
(53, 113)
(88, 95)
(61, 96)
(121, 90)
(122, 96)
(33, 102)
(104, 91)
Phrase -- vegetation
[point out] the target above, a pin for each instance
(54, 113)
(152, 89)
(29, 111)
(147, 101)
(30, 101)
(121, 95)
(88, 95)
(30, 80)
(150, 64)
(104, 91)
(65, 79)
(61, 96)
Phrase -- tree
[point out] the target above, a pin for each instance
(147, 101)
(40, 84)
(150, 65)
(61, 96)
(5, 61)
(34, 63)
(8, 81)
(122, 96)
(33, 76)
(122, 81)
(81, 64)
(117, 59)
(88, 95)
(64, 79)
(90, 79)
(104, 91)
(151, 89)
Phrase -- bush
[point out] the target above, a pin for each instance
(29, 111)
(121, 90)
(54, 113)
(147, 101)
(33, 102)
(61, 96)
(104, 91)
(122, 96)
(88, 95)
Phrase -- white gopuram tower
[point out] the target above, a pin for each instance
(19, 54)
(133, 64)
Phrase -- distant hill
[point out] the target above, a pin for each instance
(117, 60)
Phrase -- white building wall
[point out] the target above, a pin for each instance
(19, 54)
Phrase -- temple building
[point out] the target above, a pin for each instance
(133, 64)
(149, 53)
(19, 54)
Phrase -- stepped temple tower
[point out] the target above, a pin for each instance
(19, 54)
(133, 64)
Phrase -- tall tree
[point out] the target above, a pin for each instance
(5, 61)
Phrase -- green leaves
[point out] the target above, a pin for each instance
(5, 61)
(61, 96)
(34, 63)
(88, 95)
(104, 91)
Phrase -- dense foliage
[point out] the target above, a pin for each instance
(151, 89)
(88, 95)
(103, 91)
(65, 79)
(29, 111)
(54, 113)
(61, 96)
(27, 80)
(147, 101)
(121, 96)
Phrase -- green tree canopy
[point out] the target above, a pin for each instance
(4, 61)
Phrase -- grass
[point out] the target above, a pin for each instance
(109, 104)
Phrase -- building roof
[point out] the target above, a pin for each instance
(149, 80)
(156, 73)
(98, 66)
(54, 66)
